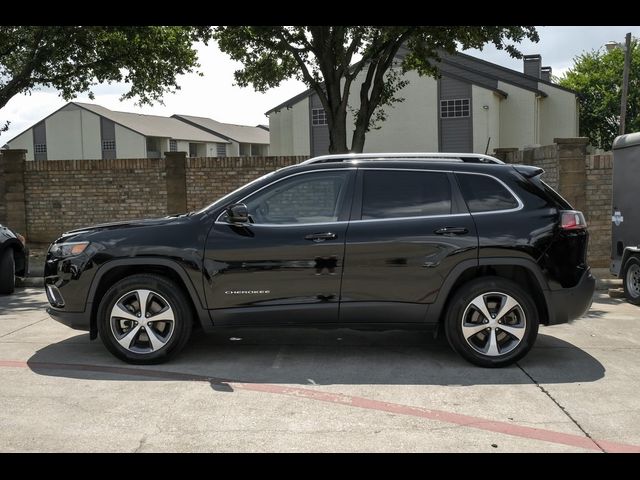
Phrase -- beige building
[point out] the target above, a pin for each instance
(84, 131)
(475, 106)
(243, 139)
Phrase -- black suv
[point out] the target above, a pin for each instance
(459, 242)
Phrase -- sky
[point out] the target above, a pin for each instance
(214, 95)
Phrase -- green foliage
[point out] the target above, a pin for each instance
(597, 77)
(324, 57)
(72, 59)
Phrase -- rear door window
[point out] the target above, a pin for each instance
(398, 194)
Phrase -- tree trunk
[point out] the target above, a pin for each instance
(337, 123)
(359, 136)
(338, 138)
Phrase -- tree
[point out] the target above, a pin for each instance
(72, 59)
(324, 57)
(597, 77)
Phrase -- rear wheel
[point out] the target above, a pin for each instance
(631, 280)
(144, 319)
(7, 272)
(491, 322)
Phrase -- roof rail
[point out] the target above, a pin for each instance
(434, 156)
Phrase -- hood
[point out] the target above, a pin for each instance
(143, 222)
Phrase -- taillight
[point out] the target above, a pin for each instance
(572, 220)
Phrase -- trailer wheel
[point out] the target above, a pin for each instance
(631, 280)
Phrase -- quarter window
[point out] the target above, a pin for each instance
(455, 108)
(308, 198)
(318, 117)
(485, 194)
(395, 194)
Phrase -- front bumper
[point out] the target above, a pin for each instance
(567, 304)
(75, 320)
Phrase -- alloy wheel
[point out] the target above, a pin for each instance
(493, 324)
(142, 321)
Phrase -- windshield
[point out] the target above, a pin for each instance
(223, 200)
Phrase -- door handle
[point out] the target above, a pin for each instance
(320, 237)
(451, 231)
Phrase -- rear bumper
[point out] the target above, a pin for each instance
(75, 320)
(568, 304)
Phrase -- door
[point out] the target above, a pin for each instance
(408, 229)
(286, 266)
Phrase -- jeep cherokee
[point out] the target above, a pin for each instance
(462, 243)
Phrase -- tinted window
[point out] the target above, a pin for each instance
(484, 194)
(393, 194)
(307, 198)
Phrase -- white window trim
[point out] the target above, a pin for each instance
(321, 116)
(447, 102)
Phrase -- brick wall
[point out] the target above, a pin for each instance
(61, 195)
(210, 178)
(46, 198)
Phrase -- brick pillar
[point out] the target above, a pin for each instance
(176, 182)
(572, 170)
(12, 190)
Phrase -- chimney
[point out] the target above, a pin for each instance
(545, 73)
(532, 64)
(611, 45)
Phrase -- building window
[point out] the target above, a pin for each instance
(221, 149)
(40, 148)
(455, 108)
(318, 117)
(108, 145)
(173, 145)
(193, 149)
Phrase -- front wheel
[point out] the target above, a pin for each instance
(144, 319)
(631, 280)
(491, 322)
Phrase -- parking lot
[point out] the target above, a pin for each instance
(319, 390)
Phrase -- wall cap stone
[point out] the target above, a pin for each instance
(572, 140)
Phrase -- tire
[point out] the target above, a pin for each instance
(631, 280)
(491, 346)
(7, 272)
(123, 326)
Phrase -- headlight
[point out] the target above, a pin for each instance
(68, 249)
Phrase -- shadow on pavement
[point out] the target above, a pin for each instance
(23, 299)
(318, 357)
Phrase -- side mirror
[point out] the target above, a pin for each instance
(238, 213)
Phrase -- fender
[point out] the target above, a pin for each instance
(628, 253)
(436, 308)
(202, 313)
